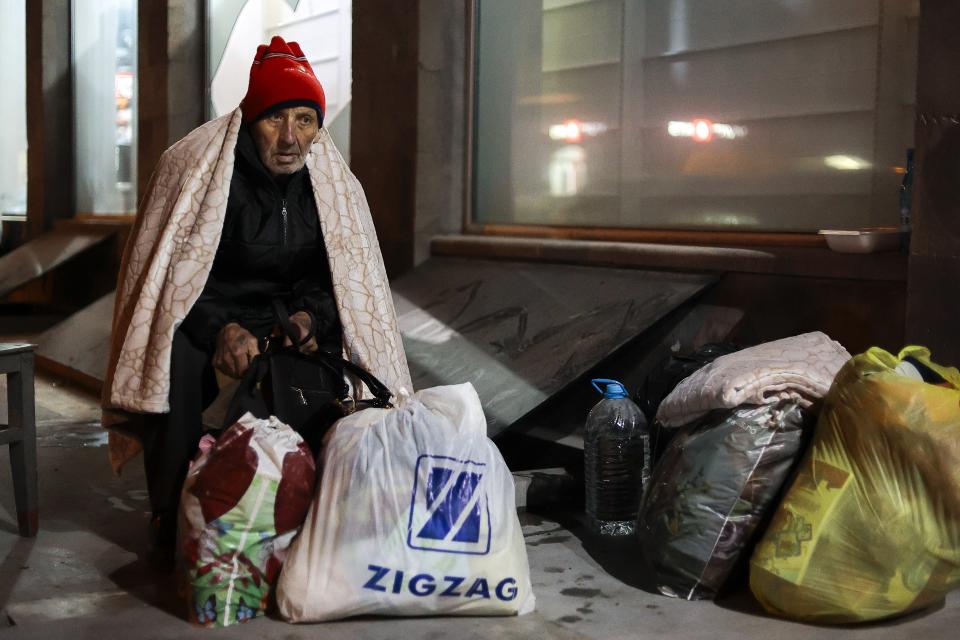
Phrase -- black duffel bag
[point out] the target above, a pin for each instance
(306, 391)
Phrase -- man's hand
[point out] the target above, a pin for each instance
(301, 321)
(236, 348)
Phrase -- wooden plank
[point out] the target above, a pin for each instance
(561, 419)
(78, 379)
(45, 253)
(521, 332)
(78, 347)
(10, 434)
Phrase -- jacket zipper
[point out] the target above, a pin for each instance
(283, 222)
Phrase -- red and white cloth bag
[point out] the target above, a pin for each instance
(414, 515)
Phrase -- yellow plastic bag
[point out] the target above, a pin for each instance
(870, 527)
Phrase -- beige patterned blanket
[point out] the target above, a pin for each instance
(801, 368)
(170, 253)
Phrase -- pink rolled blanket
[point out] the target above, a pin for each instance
(801, 368)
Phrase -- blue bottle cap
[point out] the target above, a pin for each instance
(613, 389)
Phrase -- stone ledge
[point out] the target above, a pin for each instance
(789, 261)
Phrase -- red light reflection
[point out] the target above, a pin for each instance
(702, 130)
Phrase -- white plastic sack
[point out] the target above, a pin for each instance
(414, 515)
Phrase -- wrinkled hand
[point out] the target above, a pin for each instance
(236, 348)
(301, 321)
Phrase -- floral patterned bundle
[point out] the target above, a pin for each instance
(244, 499)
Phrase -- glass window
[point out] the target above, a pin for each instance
(322, 28)
(105, 110)
(13, 112)
(784, 115)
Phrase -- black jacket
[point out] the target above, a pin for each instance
(271, 247)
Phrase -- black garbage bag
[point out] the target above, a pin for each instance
(718, 479)
(664, 378)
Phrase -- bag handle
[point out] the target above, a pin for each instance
(379, 390)
(247, 396)
(283, 319)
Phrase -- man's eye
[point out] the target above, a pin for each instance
(306, 120)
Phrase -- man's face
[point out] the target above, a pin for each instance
(283, 138)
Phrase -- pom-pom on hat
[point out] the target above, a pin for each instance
(281, 77)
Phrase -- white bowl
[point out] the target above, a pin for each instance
(869, 240)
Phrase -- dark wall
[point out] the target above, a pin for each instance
(171, 83)
(933, 301)
(442, 127)
(151, 89)
(50, 184)
(857, 313)
(383, 129)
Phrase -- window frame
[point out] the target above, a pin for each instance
(709, 237)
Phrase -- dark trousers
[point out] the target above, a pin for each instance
(170, 439)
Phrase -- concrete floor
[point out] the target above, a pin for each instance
(84, 575)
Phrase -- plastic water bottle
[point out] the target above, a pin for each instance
(616, 452)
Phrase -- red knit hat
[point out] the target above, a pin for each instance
(281, 77)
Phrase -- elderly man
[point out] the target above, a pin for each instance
(254, 206)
